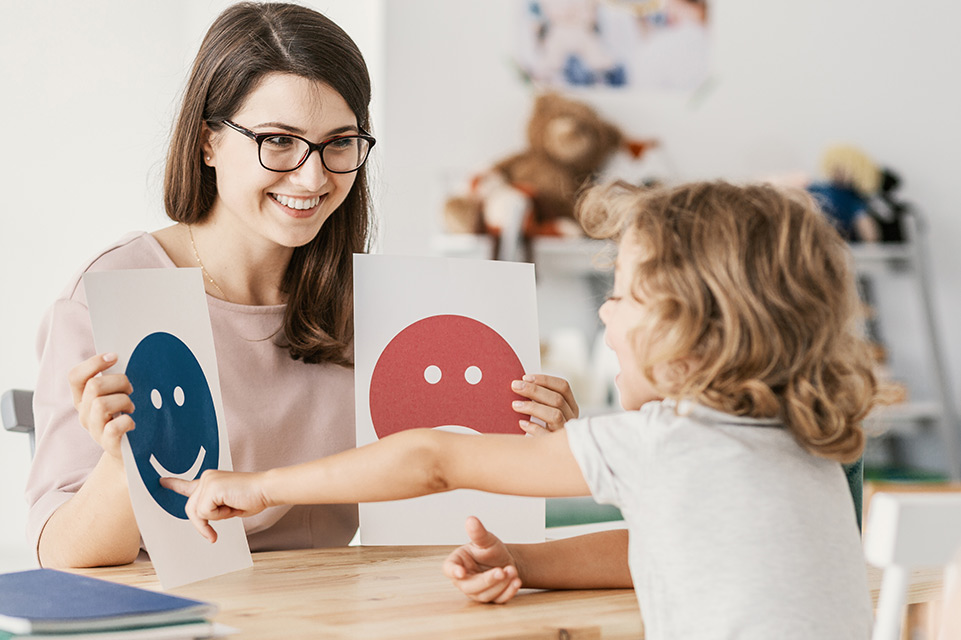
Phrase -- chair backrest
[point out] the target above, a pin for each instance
(16, 412)
(905, 531)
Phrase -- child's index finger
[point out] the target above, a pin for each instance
(183, 487)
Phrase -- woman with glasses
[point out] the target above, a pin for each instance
(267, 184)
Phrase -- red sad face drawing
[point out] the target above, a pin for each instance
(445, 370)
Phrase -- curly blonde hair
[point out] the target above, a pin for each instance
(751, 288)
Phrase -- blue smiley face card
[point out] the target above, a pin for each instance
(157, 322)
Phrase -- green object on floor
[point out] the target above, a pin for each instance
(902, 474)
(854, 472)
(565, 512)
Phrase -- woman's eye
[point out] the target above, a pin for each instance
(343, 144)
(280, 142)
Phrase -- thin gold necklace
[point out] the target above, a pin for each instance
(202, 267)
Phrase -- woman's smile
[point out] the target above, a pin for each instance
(298, 207)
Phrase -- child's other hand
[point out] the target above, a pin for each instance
(550, 399)
(484, 568)
(218, 495)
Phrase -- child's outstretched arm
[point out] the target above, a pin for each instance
(403, 465)
(487, 570)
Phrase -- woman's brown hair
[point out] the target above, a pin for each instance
(751, 288)
(244, 44)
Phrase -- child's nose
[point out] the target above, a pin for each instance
(604, 311)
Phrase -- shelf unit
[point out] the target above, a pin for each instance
(931, 409)
(896, 281)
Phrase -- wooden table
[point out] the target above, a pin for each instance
(400, 592)
(386, 592)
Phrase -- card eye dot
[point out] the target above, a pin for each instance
(473, 375)
(432, 374)
(179, 396)
(156, 399)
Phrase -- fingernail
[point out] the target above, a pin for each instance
(109, 357)
(517, 404)
(529, 377)
(517, 385)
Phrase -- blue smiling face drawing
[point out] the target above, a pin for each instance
(176, 425)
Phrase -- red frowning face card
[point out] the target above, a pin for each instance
(445, 370)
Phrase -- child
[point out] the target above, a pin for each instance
(733, 319)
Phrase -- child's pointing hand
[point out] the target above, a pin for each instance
(218, 495)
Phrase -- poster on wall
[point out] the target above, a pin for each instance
(630, 44)
(438, 342)
(157, 323)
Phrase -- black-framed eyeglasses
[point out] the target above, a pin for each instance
(284, 152)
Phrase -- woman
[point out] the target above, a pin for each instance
(273, 226)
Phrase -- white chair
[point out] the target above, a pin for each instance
(906, 531)
(16, 412)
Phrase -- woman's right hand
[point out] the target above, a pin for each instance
(102, 401)
(484, 568)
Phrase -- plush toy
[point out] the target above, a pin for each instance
(851, 178)
(533, 192)
(887, 209)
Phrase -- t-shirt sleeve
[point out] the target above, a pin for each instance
(65, 452)
(609, 455)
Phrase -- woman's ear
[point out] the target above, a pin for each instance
(206, 146)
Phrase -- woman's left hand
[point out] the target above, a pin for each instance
(549, 399)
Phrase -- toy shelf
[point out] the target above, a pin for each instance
(906, 322)
(557, 256)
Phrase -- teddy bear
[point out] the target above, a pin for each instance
(533, 193)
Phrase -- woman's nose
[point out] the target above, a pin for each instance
(311, 175)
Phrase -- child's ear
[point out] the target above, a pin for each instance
(675, 373)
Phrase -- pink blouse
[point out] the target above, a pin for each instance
(278, 411)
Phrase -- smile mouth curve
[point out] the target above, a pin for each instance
(189, 474)
(297, 204)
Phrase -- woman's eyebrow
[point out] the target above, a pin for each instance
(280, 125)
(349, 128)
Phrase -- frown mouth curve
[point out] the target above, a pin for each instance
(189, 474)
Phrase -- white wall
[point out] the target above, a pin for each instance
(89, 92)
(790, 78)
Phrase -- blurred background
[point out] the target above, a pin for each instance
(89, 91)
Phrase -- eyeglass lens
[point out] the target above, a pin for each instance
(285, 153)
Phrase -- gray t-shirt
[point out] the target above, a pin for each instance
(735, 530)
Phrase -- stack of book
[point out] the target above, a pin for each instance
(48, 604)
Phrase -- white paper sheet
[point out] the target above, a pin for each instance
(437, 343)
(156, 321)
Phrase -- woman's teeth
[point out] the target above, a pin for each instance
(295, 203)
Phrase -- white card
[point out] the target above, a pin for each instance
(156, 321)
(437, 343)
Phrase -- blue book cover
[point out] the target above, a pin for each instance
(48, 601)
